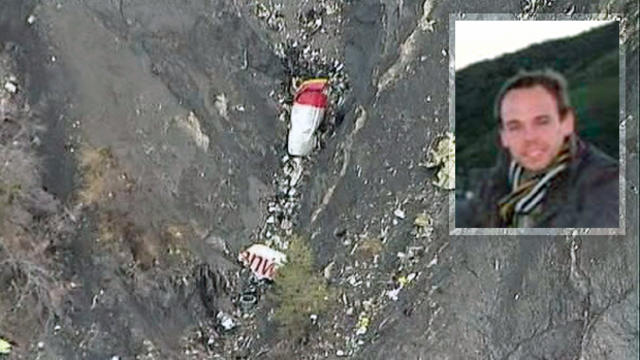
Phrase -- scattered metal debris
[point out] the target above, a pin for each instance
(328, 269)
(393, 294)
(271, 14)
(399, 213)
(433, 262)
(531, 8)
(283, 207)
(225, 321)
(311, 21)
(8, 108)
(262, 11)
(11, 87)
(248, 299)
(403, 281)
(302, 61)
(294, 171)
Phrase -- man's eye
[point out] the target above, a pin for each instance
(543, 121)
(514, 127)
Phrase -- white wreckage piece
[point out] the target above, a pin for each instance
(307, 112)
(262, 260)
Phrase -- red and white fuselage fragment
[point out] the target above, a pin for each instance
(262, 260)
(307, 112)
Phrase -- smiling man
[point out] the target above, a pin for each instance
(547, 176)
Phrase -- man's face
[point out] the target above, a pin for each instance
(532, 129)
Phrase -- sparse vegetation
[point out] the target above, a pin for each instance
(95, 164)
(8, 193)
(370, 247)
(175, 238)
(117, 230)
(299, 291)
(111, 227)
(118, 234)
(29, 226)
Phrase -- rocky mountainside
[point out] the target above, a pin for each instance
(143, 147)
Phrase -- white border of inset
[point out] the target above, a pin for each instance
(621, 230)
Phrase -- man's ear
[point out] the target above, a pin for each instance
(568, 123)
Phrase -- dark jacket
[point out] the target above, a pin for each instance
(586, 195)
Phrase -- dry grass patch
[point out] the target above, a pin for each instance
(145, 247)
(111, 227)
(30, 283)
(176, 238)
(120, 235)
(8, 194)
(98, 169)
(370, 247)
(178, 234)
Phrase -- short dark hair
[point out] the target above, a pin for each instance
(550, 80)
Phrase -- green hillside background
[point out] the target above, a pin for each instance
(589, 61)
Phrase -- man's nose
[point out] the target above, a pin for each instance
(530, 133)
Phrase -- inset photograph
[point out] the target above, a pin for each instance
(537, 109)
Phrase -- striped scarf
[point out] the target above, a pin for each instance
(526, 195)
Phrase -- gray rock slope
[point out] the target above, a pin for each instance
(191, 100)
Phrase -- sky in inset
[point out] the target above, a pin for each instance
(477, 40)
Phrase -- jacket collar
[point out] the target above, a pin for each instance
(559, 193)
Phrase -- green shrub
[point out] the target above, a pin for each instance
(299, 291)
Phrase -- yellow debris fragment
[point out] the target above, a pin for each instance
(5, 346)
(363, 324)
(444, 157)
(423, 220)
